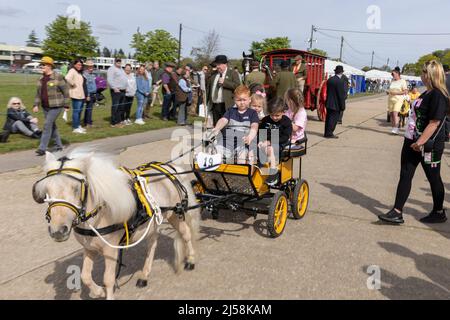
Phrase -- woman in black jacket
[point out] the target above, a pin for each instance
(18, 120)
(424, 144)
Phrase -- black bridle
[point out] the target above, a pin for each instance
(81, 213)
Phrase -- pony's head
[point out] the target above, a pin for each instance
(79, 186)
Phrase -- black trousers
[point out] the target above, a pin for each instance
(410, 161)
(341, 116)
(127, 108)
(331, 122)
(218, 110)
(117, 107)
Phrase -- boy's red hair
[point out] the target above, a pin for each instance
(241, 90)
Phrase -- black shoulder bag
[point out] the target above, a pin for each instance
(429, 145)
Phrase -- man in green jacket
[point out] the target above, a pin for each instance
(256, 76)
(52, 95)
(284, 80)
(220, 88)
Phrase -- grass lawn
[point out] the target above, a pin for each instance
(24, 87)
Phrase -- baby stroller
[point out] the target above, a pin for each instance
(101, 84)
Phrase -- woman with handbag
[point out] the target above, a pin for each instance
(397, 91)
(424, 144)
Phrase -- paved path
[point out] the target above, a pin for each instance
(325, 255)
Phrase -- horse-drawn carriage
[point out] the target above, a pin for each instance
(315, 87)
(243, 187)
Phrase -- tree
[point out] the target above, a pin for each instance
(65, 42)
(366, 68)
(422, 60)
(33, 40)
(209, 47)
(106, 52)
(319, 52)
(155, 45)
(121, 54)
(99, 53)
(410, 69)
(269, 44)
(446, 59)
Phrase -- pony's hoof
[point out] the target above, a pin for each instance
(189, 266)
(141, 283)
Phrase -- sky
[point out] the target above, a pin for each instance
(239, 22)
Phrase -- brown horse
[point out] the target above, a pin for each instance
(87, 191)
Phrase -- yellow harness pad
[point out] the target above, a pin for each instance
(142, 171)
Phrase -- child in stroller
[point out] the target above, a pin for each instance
(101, 86)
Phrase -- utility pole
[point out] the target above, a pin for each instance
(179, 44)
(311, 40)
(342, 47)
(371, 63)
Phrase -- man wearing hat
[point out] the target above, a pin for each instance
(300, 72)
(52, 95)
(256, 76)
(284, 80)
(118, 82)
(221, 86)
(91, 88)
(169, 84)
(335, 102)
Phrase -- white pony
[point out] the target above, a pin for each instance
(111, 201)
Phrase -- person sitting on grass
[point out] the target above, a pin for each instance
(241, 123)
(276, 125)
(18, 120)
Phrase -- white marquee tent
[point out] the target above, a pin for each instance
(348, 70)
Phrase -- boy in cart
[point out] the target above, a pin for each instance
(239, 128)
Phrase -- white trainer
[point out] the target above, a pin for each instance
(79, 131)
(139, 122)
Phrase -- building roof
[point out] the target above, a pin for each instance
(7, 47)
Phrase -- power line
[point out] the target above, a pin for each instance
(387, 33)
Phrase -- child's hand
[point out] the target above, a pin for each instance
(246, 140)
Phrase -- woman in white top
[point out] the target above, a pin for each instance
(129, 95)
(77, 92)
(396, 92)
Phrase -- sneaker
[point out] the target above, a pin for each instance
(139, 122)
(35, 135)
(392, 217)
(79, 131)
(435, 217)
(128, 122)
(40, 152)
(272, 179)
(395, 131)
(82, 129)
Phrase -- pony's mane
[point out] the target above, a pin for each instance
(107, 183)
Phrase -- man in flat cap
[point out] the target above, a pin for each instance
(169, 85)
(256, 76)
(300, 72)
(220, 88)
(284, 80)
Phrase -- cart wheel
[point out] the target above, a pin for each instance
(278, 213)
(300, 199)
(321, 100)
